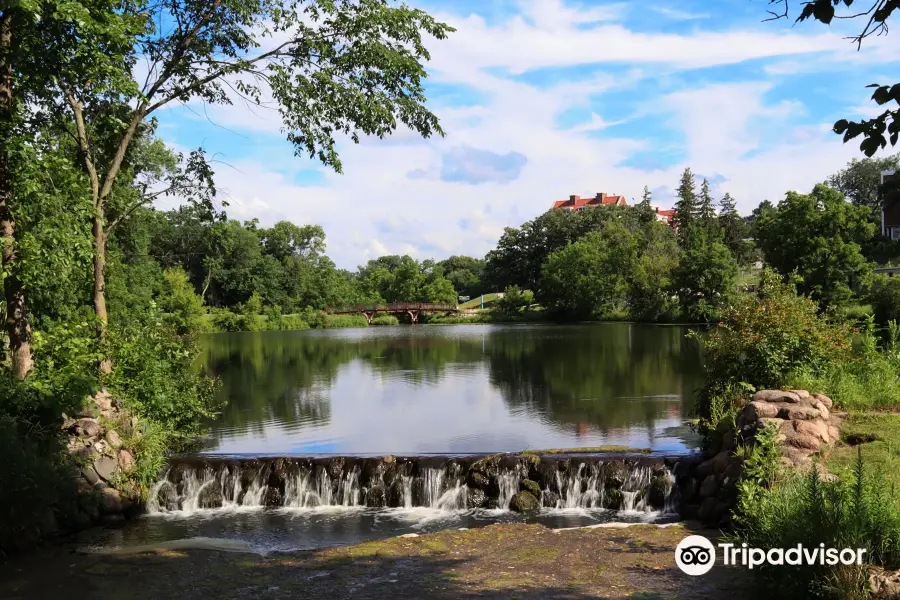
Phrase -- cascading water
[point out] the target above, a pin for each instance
(456, 484)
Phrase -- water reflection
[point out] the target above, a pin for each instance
(452, 389)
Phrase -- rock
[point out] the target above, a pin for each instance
(824, 400)
(88, 411)
(720, 461)
(733, 472)
(834, 433)
(759, 410)
(125, 460)
(524, 502)
(658, 491)
(110, 501)
(799, 413)
(476, 498)
(166, 498)
(884, 584)
(689, 511)
(527, 485)
(87, 428)
(106, 467)
(614, 473)
(388, 459)
(709, 487)
(706, 468)
(823, 410)
(103, 400)
(113, 439)
(804, 442)
(795, 456)
(686, 465)
(376, 496)
(689, 488)
(770, 422)
(549, 499)
(802, 394)
(612, 498)
(90, 475)
(273, 498)
(707, 510)
(113, 519)
(776, 396)
(477, 480)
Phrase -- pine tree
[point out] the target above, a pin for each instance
(647, 196)
(706, 213)
(734, 229)
(686, 205)
(645, 210)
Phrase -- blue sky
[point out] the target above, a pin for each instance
(541, 99)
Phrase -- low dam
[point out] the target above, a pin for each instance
(526, 483)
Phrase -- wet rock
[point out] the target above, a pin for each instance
(614, 473)
(113, 439)
(86, 428)
(166, 498)
(686, 465)
(527, 485)
(476, 498)
(376, 497)
(106, 467)
(273, 498)
(549, 499)
(110, 501)
(525, 502)
(336, 468)
(689, 489)
(477, 480)
(613, 498)
(658, 490)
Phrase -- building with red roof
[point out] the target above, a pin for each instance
(578, 203)
(667, 216)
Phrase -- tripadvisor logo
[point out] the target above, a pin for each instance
(696, 555)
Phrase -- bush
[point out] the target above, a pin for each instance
(885, 298)
(183, 306)
(514, 300)
(341, 321)
(387, 320)
(862, 512)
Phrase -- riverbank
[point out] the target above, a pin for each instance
(499, 561)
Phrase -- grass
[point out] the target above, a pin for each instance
(881, 454)
(489, 299)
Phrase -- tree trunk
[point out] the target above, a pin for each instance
(17, 328)
(99, 291)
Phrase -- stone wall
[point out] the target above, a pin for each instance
(101, 461)
(707, 482)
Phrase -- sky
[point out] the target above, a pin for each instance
(541, 99)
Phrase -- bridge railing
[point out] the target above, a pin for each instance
(393, 307)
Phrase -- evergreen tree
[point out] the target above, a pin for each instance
(645, 209)
(734, 229)
(706, 213)
(686, 205)
(646, 197)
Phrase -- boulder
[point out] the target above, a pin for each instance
(802, 394)
(759, 410)
(884, 584)
(125, 460)
(709, 487)
(103, 400)
(799, 413)
(706, 468)
(525, 502)
(106, 467)
(90, 475)
(86, 428)
(549, 499)
(476, 498)
(166, 498)
(834, 433)
(113, 439)
(612, 498)
(477, 480)
(823, 410)
(273, 498)
(824, 400)
(658, 491)
(804, 442)
(776, 396)
(614, 473)
(707, 510)
(795, 455)
(527, 485)
(689, 489)
(110, 501)
(376, 496)
(720, 461)
(733, 472)
(817, 428)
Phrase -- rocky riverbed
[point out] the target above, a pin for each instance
(500, 561)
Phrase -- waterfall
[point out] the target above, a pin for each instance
(294, 483)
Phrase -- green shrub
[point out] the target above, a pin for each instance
(861, 512)
(293, 323)
(340, 321)
(763, 340)
(885, 298)
(514, 300)
(388, 320)
(183, 307)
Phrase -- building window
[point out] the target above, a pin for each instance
(894, 232)
(581, 209)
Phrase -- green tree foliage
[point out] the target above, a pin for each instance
(705, 275)
(818, 236)
(650, 277)
(182, 307)
(514, 300)
(860, 181)
(706, 212)
(645, 206)
(686, 207)
(403, 279)
(871, 16)
(466, 274)
(884, 295)
(734, 230)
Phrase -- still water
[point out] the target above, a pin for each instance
(450, 390)
(453, 389)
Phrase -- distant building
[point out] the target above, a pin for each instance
(666, 216)
(890, 210)
(577, 203)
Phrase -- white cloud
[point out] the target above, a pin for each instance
(678, 14)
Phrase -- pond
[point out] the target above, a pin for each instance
(453, 389)
(296, 460)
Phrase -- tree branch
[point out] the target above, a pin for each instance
(84, 146)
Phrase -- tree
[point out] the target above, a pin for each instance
(686, 205)
(860, 181)
(706, 212)
(466, 274)
(331, 67)
(649, 279)
(588, 277)
(184, 307)
(734, 229)
(645, 207)
(818, 236)
(704, 277)
(877, 131)
(514, 300)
